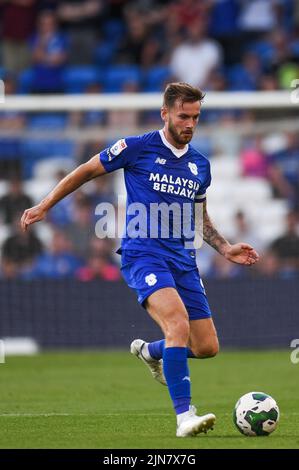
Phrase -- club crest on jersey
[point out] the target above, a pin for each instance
(193, 168)
(118, 147)
(151, 279)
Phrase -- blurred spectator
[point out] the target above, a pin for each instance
(59, 262)
(18, 18)
(21, 248)
(223, 26)
(195, 58)
(139, 46)
(99, 264)
(253, 160)
(49, 54)
(284, 170)
(89, 149)
(221, 268)
(98, 267)
(286, 247)
(257, 16)
(268, 82)
(244, 231)
(11, 120)
(102, 190)
(14, 202)
(268, 265)
(186, 13)
(81, 230)
(81, 21)
(246, 75)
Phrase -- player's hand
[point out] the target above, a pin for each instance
(32, 215)
(241, 253)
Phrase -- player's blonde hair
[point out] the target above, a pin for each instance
(183, 92)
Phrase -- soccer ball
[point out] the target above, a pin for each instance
(256, 414)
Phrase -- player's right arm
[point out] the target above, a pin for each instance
(83, 173)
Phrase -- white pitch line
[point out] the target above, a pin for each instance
(46, 415)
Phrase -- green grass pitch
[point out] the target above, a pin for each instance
(108, 400)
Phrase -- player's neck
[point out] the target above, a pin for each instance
(171, 141)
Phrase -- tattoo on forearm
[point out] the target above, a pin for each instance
(211, 235)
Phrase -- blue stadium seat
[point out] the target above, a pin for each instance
(48, 121)
(2, 73)
(34, 150)
(25, 81)
(263, 49)
(113, 30)
(10, 148)
(239, 80)
(119, 75)
(104, 53)
(77, 79)
(155, 78)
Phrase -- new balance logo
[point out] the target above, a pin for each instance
(162, 161)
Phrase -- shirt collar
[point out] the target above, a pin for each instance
(177, 152)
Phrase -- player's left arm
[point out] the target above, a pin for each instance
(240, 253)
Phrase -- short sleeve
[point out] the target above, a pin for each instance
(122, 154)
(201, 194)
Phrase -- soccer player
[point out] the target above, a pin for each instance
(161, 167)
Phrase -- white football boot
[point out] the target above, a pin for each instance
(189, 424)
(154, 365)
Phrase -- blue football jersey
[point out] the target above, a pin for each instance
(162, 184)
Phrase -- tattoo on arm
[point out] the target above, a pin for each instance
(210, 234)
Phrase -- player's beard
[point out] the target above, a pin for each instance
(180, 138)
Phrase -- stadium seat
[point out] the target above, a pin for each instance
(113, 30)
(47, 121)
(251, 189)
(225, 167)
(104, 53)
(118, 76)
(44, 233)
(155, 78)
(25, 81)
(10, 147)
(239, 79)
(203, 144)
(77, 79)
(34, 150)
(38, 189)
(48, 168)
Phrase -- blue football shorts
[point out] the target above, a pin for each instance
(147, 272)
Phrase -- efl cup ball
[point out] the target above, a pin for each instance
(256, 414)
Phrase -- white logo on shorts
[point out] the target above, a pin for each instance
(151, 279)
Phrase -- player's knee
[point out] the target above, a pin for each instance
(177, 331)
(205, 351)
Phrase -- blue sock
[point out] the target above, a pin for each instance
(157, 347)
(176, 372)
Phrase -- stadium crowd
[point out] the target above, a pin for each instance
(93, 46)
(238, 44)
